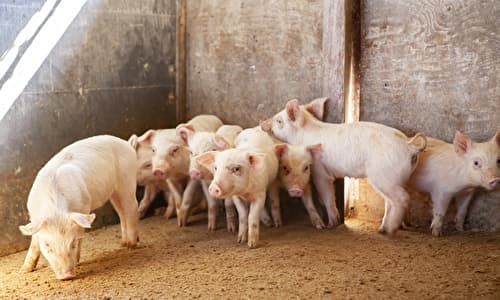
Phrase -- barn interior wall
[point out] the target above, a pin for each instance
(106, 75)
(432, 67)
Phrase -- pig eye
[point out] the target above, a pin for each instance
(286, 170)
(215, 168)
(498, 161)
(477, 164)
(306, 168)
(153, 149)
(236, 170)
(174, 150)
(146, 165)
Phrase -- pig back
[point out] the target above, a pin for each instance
(205, 123)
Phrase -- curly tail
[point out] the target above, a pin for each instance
(417, 149)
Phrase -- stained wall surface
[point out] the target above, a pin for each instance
(433, 66)
(107, 75)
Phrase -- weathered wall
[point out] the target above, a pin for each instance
(245, 59)
(433, 66)
(107, 75)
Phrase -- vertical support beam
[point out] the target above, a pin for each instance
(352, 82)
(180, 62)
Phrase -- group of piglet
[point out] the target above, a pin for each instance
(241, 168)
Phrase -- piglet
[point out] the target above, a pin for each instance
(245, 173)
(382, 154)
(295, 172)
(76, 181)
(152, 185)
(456, 170)
(200, 142)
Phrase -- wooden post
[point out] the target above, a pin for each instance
(352, 83)
(180, 63)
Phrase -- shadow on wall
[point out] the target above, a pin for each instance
(105, 76)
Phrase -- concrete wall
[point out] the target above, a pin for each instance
(107, 75)
(432, 66)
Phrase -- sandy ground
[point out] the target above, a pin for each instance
(295, 261)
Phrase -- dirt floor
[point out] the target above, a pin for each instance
(295, 261)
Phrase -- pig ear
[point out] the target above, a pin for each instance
(315, 150)
(146, 137)
(221, 142)
(82, 220)
(496, 138)
(184, 131)
(31, 228)
(280, 149)
(257, 161)
(133, 141)
(206, 159)
(461, 143)
(266, 125)
(317, 107)
(293, 109)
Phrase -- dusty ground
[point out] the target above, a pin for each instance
(295, 261)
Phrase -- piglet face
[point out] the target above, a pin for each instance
(295, 166)
(59, 241)
(482, 160)
(169, 159)
(142, 146)
(234, 171)
(200, 143)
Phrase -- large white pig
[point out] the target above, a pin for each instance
(171, 158)
(456, 170)
(246, 172)
(73, 183)
(200, 142)
(295, 166)
(382, 154)
(152, 185)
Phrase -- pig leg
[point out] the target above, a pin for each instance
(149, 194)
(274, 195)
(462, 202)
(125, 205)
(186, 204)
(212, 208)
(241, 207)
(396, 202)
(175, 191)
(170, 198)
(230, 214)
(256, 207)
(32, 256)
(311, 209)
(326, 191)
(440, 203)
(265, 218)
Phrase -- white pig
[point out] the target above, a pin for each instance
(380, 153)
(201, 142)
(152, 185)
(76, 181)
(246, 172)
(171, 158)
(294, 175)
(456, 170)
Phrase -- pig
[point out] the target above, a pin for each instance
(245, 173)
(74, 182)
(380, 153)
(294, 174)
(456, 170)
(152, 185)
(170, 159)
(200, 142)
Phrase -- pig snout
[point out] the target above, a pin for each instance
(215, 190)
(195, 174)
(494, 183)
(160, 174)
(295, 191)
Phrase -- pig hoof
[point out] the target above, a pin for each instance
(437, 232)
(459, 227)
(382, 230)
(252, 244)
(26, 269)
(242, 239)
(277, 224)
(231, 227)
(268, 222)
(211, 228)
